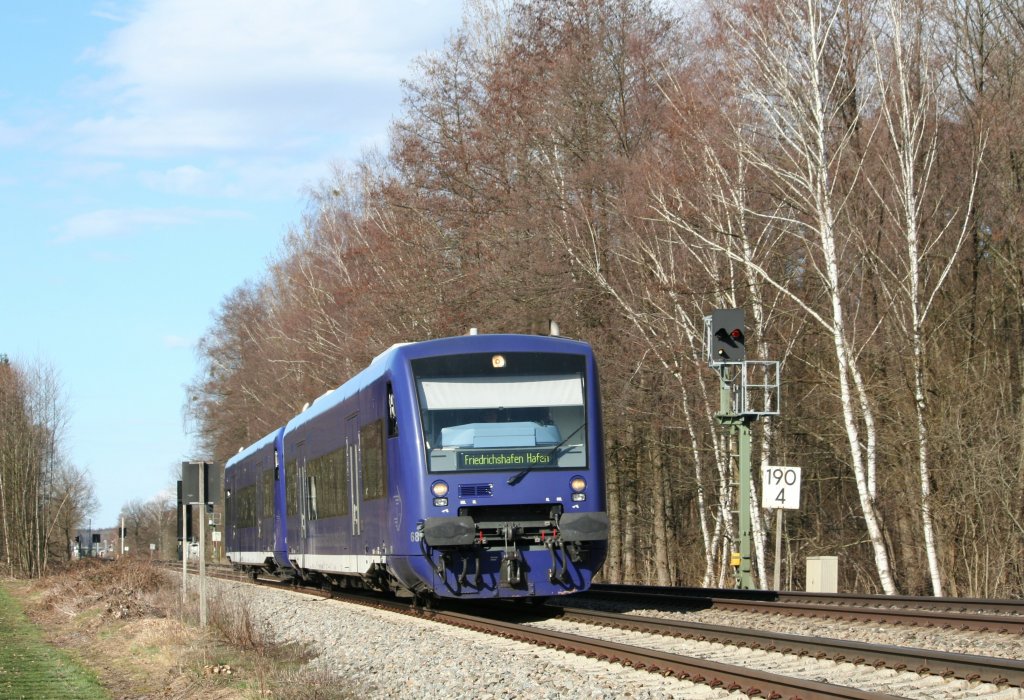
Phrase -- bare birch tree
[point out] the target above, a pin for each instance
(907, 73)
(792, 79)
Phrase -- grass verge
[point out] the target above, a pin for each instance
(30, 668)
(124, 621)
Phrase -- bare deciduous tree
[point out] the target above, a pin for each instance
(41, 495)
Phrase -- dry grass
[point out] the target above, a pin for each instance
(126, 588)
(125, 619)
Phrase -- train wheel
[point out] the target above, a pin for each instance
(423, 602)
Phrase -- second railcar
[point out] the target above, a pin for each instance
(255, 535)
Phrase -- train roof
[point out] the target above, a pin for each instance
(485, 343)
(403, 352)
(253, 448)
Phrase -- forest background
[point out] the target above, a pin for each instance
(849, 173)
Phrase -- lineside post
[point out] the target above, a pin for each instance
(780, 491)
(202, 546)
(777, 574)
(742, 401)
(196, 491)
(184, 552)
(746, 576)
(738, 426)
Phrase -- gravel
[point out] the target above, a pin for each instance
(381, 654)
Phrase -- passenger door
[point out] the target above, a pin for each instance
(302, 487)
(352, 461)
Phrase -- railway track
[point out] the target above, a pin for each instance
(946, 665)
(764, 664)
(732, 677)
(501, 621)
(1004, 616)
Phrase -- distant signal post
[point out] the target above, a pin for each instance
(196, 491)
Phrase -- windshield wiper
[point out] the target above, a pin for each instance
(516, 478)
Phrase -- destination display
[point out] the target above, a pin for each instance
(492, 459)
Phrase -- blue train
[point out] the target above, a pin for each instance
(467, 467)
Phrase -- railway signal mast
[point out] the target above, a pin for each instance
(748, 389)
(197, 489)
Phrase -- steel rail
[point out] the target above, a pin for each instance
(935, 618)
(712, 673)
(970, 667)
(964, 605)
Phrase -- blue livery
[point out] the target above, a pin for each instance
(468, 467)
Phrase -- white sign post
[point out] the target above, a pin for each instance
(780, 490)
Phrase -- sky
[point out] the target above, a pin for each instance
(153, 155)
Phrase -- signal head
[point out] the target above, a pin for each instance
(728, 337)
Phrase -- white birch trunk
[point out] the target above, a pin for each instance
(910, 111)
(786, 81)
(908, 141)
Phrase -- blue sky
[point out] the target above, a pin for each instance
(152, 157)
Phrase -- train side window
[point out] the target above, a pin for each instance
(247, 506)
(339, 465)
(327, 485)
(290, 483)
(267, 509)
(313, 512)
(339, 498)
(392, 414)
(371, 442)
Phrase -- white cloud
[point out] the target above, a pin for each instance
(256, 177)
(237, 75)
(92, 169)
(183, 179)
(105, 223)
(108, 9)
(177, 341)
(11, 136)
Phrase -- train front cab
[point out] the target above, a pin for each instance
(512, 448)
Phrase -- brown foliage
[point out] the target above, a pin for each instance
(571, 160)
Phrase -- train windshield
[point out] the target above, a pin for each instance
(505, 411)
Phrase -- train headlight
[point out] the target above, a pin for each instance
(439, 489)
(578, 485)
